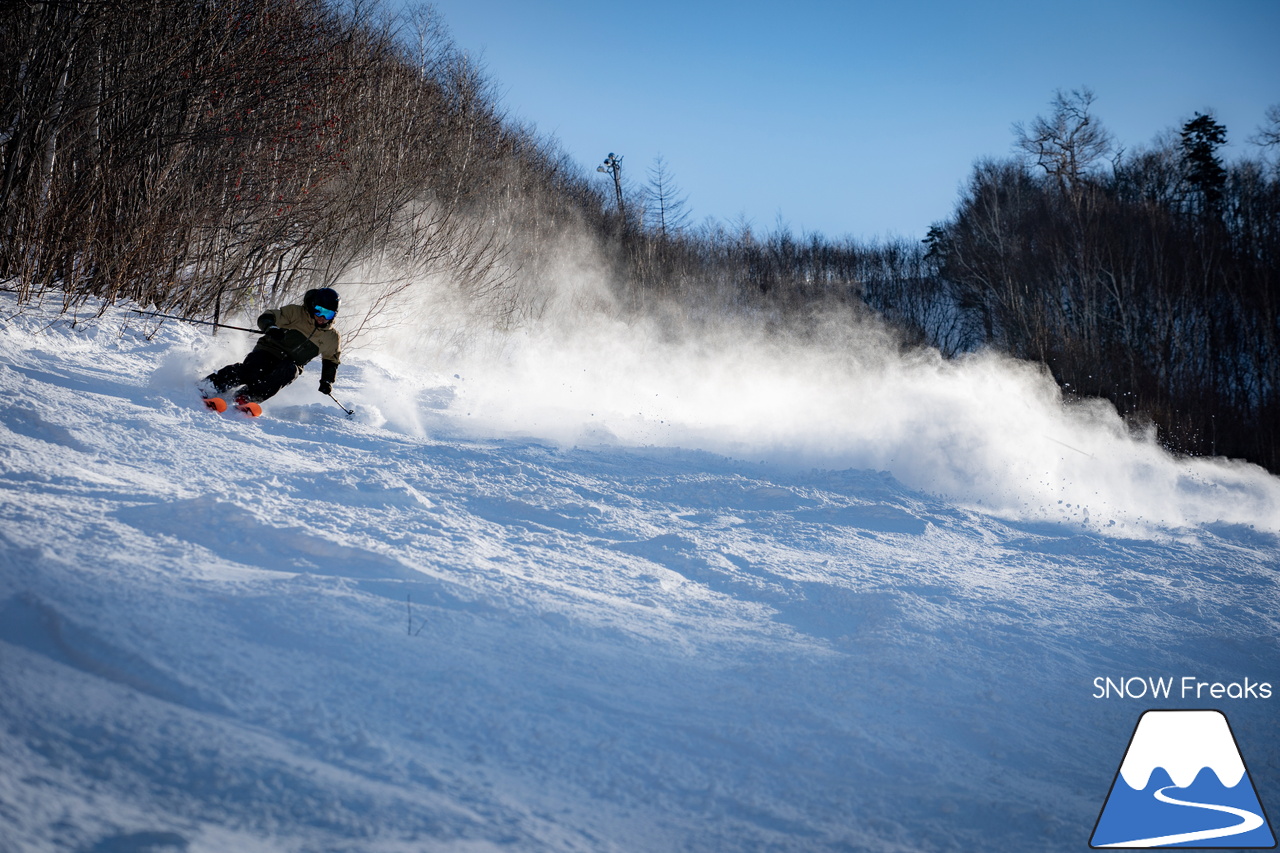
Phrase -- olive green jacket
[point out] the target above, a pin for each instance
(302, 340)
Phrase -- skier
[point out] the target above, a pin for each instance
(292, 336)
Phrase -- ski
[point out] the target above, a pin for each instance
(244, 407)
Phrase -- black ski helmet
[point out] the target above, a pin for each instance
(324, 297)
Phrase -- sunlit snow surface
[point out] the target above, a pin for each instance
(485, 616)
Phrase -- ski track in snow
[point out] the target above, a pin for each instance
(1248, 821)
(304, 632)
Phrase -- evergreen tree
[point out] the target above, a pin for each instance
(1201, 138)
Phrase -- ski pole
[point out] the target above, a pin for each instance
(200, 322)
(349, 412)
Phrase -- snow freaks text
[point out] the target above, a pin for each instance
(1186, 687)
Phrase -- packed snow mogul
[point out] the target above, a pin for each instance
(291, 337)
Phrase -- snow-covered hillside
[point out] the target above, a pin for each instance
(510, 606)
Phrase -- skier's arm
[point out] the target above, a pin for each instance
(328, 373)
(267, 323)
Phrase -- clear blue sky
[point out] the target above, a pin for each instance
(858, 118)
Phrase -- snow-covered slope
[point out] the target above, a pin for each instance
(453, 624)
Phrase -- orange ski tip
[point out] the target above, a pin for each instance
(217, 404)
(250, 409)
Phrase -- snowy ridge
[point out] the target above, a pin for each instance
(440, 626)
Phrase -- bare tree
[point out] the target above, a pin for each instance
(1268, 135)
(665, 206)
(1068, 142)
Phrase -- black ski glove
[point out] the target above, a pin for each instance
(328, 373)
(266, 321)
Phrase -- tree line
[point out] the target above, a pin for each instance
(204, 155)
(1150, 278)
(207, 156)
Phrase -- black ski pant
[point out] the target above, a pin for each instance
(259, 376)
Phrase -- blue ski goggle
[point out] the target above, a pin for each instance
(326, 314)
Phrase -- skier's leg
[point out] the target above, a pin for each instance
(226, 378)
(269, 377)
(233, 376)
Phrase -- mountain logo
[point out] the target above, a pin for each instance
(1182, 783)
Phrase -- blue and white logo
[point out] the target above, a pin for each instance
(1182, 783)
